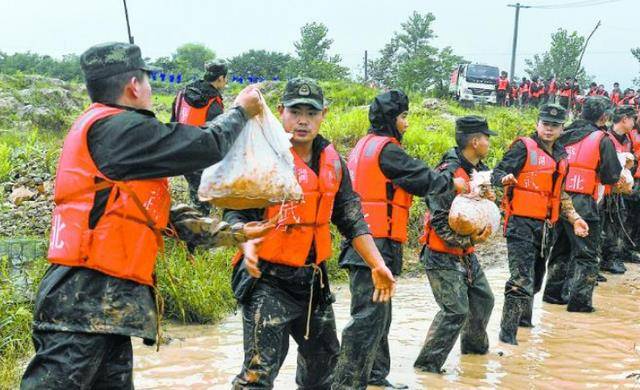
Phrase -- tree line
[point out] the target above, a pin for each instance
(408, 60)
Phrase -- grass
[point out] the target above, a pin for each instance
(197, 289)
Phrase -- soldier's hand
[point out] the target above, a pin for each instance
(250, 251)
(509, 180)
(487, 192)
(250, 100)
(460, 185)
(257, 229)
(581, 228)
(384, 283)
(482, 236)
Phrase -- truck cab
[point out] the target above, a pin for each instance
(474, 83)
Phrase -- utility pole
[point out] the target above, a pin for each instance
(517, 6)
(366, 67)
(126, 15)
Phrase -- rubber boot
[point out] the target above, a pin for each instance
(385, 384)
(511, 312)
(613, 266)
(527, 313)
(633, 257)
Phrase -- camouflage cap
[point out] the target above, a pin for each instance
(215, 69)
(112, 58)
(303, 90)
(594, 107)
(553, 113)
(624, 110)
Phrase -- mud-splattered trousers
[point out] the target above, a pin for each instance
(364, 356)
(573, 267)
(269, 317)
(465, 300)
(528, 242)
(614, 231)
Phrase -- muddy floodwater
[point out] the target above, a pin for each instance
(563, 351)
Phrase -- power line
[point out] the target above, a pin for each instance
(574, 4)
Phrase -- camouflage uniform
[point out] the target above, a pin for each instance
(84, 319)
(458, 283)
(573, 263)
(528, 239)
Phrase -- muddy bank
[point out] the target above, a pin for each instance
(569, 350)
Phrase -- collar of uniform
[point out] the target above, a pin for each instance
(127, 108)
(558, 151)
(622, 138)
(467, 165)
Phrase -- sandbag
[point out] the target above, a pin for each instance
(471, 213)
(258, 170)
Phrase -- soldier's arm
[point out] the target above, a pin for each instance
(609, 168)
(204, 232)
(135, 146)
(567, 210)
(412, 174)
(512, 163)
(439, 206)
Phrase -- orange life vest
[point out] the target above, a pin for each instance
(387, 218)
(566, 91)
(553, 87)
(615, 97)
(584, 157)
(620, 148)
(307, 222)
(432, 240)
(539, 92)
(537, 193)
(125, 241)
(634, 135)
(524, 88)
(187, 114)
(503, 84)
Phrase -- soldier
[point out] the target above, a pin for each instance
(614, 206)
(502, 89)
(196, 104)
(112, 204)
(456, 278)
(282, 284)
(386, 178)
(573, 263)
(532, 172)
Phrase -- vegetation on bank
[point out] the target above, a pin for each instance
(197, 288)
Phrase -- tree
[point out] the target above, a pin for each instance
(410, 62)
(562, 58)
(260, 63)
(636, 53)
(313, 59)
(191, 57)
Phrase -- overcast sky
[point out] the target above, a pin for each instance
(479, 30)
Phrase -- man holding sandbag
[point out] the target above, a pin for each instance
(112, 204)
(456, 278)
(386, 178)
(282, 282)
(532, 172)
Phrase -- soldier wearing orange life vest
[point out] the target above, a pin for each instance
(502, 88)
(532, 172)
(200, 102)
(565, 93)
(633, 201)
(524, 91)
(616, 94)
(451, 264)
(284, 277)
(386, 178)
(573, 263)
(536, 91)
(615, 202)
(111, 205)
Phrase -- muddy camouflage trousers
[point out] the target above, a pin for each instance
(194, 182)
(70, 361)
(364, 356)
(573, 267)
(269, 317)
(466, 301)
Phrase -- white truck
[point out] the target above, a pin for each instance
(474, 83)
